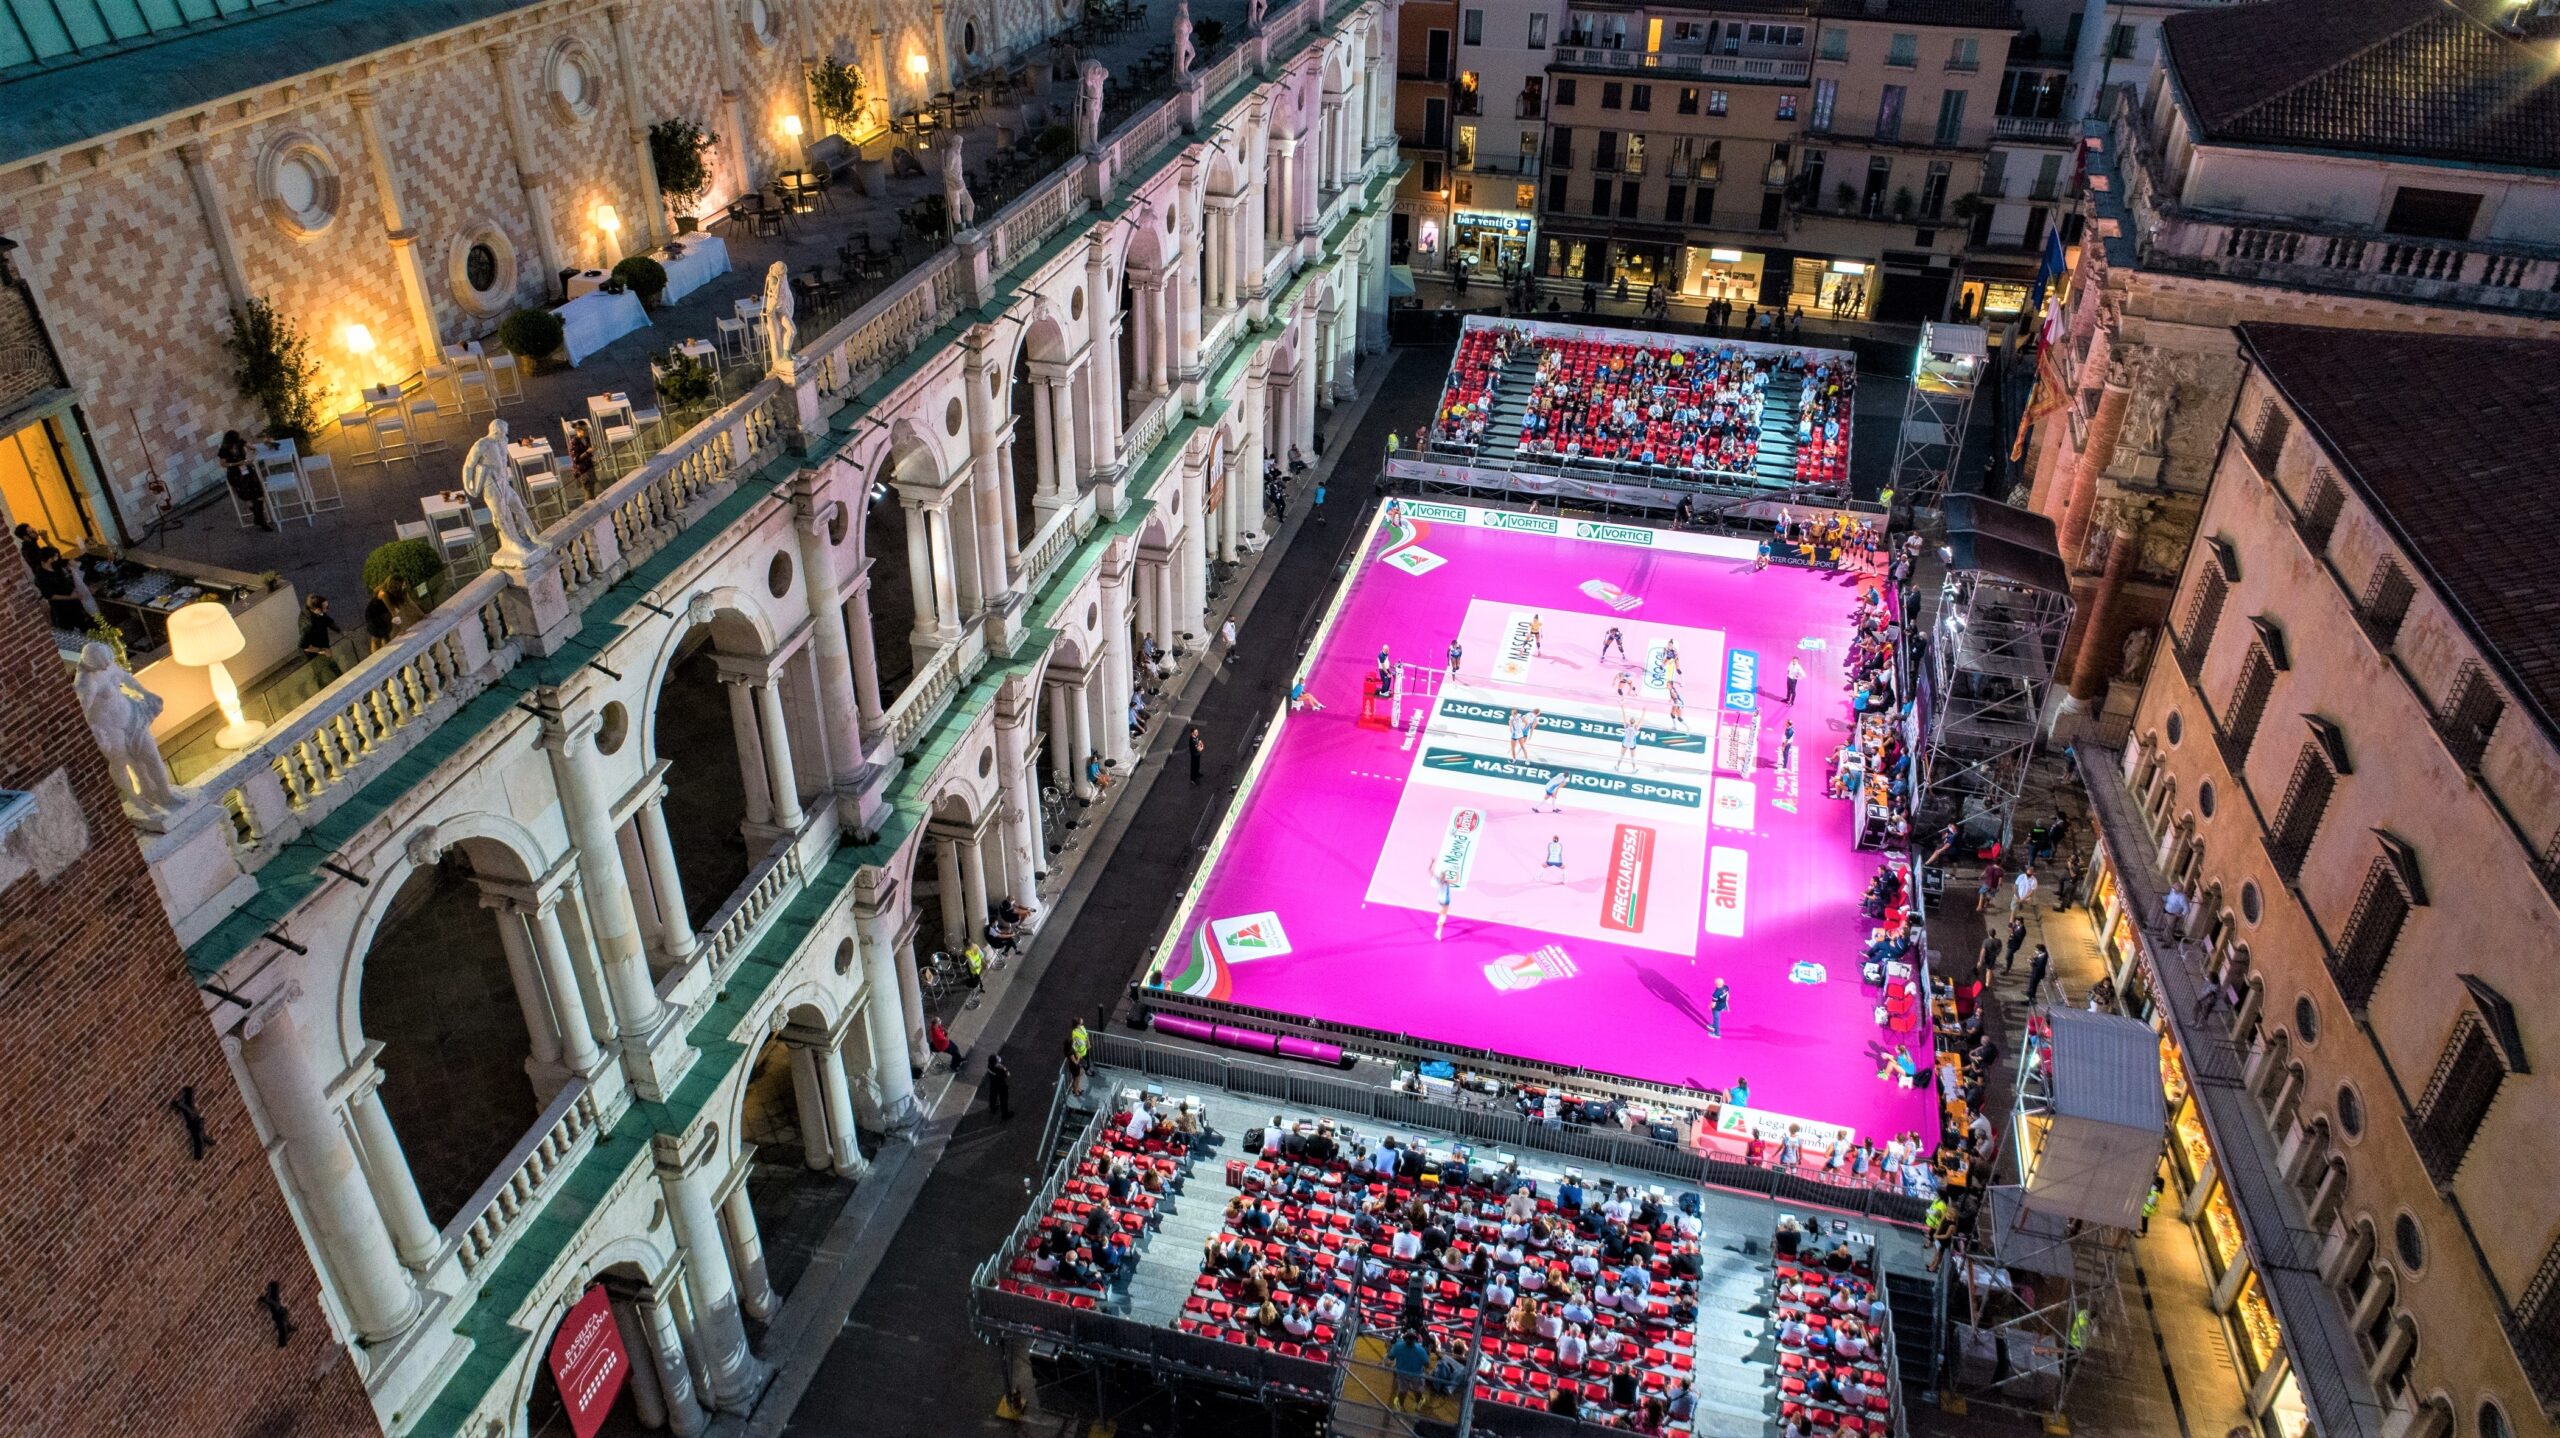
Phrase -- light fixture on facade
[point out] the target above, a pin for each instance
(608, 219)
(919, 66)
(203, 635)
(791, 126)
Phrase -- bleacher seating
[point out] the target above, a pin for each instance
(1825, 1300)
(1466, 402)
(1122, 1179)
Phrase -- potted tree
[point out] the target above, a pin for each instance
(271, 363)
(1902, 203)
(533, 336)
(644, 277)
(835, 92)
(676, 148)
(1847, 195)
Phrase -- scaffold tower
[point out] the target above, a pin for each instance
(1946, 370)
(2001, 616)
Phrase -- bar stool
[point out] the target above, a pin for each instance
(320, 484)
(355, 427)
(506, 377)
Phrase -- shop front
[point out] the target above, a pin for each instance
(1913, 288)
(1709, 273)
(1493, 242)
(1615, 262)
(1837, 288)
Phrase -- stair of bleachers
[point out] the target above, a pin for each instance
(1776, 462)
(1510, 402)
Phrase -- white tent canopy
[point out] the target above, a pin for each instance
(2092, 1119)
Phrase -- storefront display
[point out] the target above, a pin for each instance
(2261, 1337)
(1838, 288)
(1639, 267)
(1493, 242)
(2194, 1154)
(2223, 1243)
(1708, 274)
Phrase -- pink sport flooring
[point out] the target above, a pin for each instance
(1340, 837)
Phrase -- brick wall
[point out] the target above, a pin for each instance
(130, 1272)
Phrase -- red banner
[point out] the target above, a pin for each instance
(587, 1361)
(1622, 899)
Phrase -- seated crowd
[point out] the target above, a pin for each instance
(1089, 1238)
(1594, 1293)
(1833, 1349)
(1822, 422)
(1466, 404)
(1646, 405)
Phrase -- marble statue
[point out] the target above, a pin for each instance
(1089, 106)
(2137, 656)
(120, 712)
(1253, 15)
(489, 477)
(955, 187)
(781, 330)
(1183, 51)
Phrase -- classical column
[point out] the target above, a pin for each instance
(839, 1094)
(675, 921)
(217, 225)
(397, 231)
(993, 505)
(386, 1167)
(2095, 662)
(1065, 765)
(355, 1245)
(635, 99)
(560, 981)
(946, 593)
(611, 924)
(529, 173)
(839, 707)
(533, 990)
(1160, 359)
(1116, 678)
(1044, 438)
(1188, 277)
(732, 1372)
(960, 540)
(746, 1253)
(1018, 793)
(668, 1364)
(1080, 717)
(750, 746)
(724, 36)
(2104, 430)
(648, 1401)
(973, 887)
(1142, 337)
(947, 891)
(809, 1101)
(866, 659)
(886, 1015)
(1244, 475)
(1330, 167)
(1191, 604)
(783, 779)
(1062, 410)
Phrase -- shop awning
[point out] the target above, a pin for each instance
(1399, 281)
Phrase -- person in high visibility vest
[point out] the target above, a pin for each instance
(977, 961)
(2080, 1322)
(1079, 1042)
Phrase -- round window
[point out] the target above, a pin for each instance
(2350, 1111)
(300, 185)
(2493, 1422)
(986, 761)
(839, 524)
(483, 270)
(2204, 798)
(573, 80)
(612, 727)
(844, 957)
(969, 37)
(1092, 615)
(777, 576)
(2306, 1020)
(2252, 904)
(951, 417)
(757, 19)
(2409, 1242)
(1075, 303)
(2176, 728)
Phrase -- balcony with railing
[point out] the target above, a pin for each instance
(1747, 68)
(2311, 254)
(2030, 127)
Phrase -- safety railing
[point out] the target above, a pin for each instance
(1039, 213)
(640, 512)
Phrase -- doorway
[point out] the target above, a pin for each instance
(39, 486)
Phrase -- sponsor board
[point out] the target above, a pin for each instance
(1568, 726)
(1612, 533)
(1610, 594)
(1736, 804)
(1622, 897)
(1773, 1127)
(1583, 781)
(1414, 561)
(1512, 662)
(1254, 936)
(588, 1362)
(1524, 523)
(1728, 873)
(1514, 972)
(1737, 743)
(1742, 680)
(1658, 662)
(1445, 513)
(1457, 856)
(1806, 971)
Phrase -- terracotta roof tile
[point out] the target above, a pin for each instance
(2448, 440)
(2420, 78)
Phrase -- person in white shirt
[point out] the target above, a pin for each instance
(1330, 1308)
(1407, 1245)
(1572, 1350)
(1498, 1292)
(1521, 1206)
(1271, 1136)
(1533, 1279)
(1298, 1324)
(1550, 1327)
(1586, 1264)
(1617, 1207)
(1139, 1122)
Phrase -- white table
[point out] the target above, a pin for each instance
(592, 321)
(587, 282)
(705, 258)
(531, 459)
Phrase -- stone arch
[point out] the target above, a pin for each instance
(904, 622)
(738, 626)
(706, 700)
(497, 832)
(625, 1265)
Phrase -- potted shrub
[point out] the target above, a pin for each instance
(532, 335)
(416, 566)
(1902, 203)
(644, 277)
(271, 363)
(1846, 194)
(1057, 142)
(676, 148)
(835, 92)
(684, 382)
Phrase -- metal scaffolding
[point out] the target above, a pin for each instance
(1945, 371)
(2001, 617)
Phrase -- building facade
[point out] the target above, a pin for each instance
(2232, 191)
(500, 1043)
(2352, 766)
(1822, 157)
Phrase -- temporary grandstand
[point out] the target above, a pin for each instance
(1783, 440)
(1708, 1307)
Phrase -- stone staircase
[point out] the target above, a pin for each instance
(1510, 403)
(1779, 407)
(1170, 1258)
(1736, 1379)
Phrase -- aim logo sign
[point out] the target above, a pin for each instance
(1254, 936)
